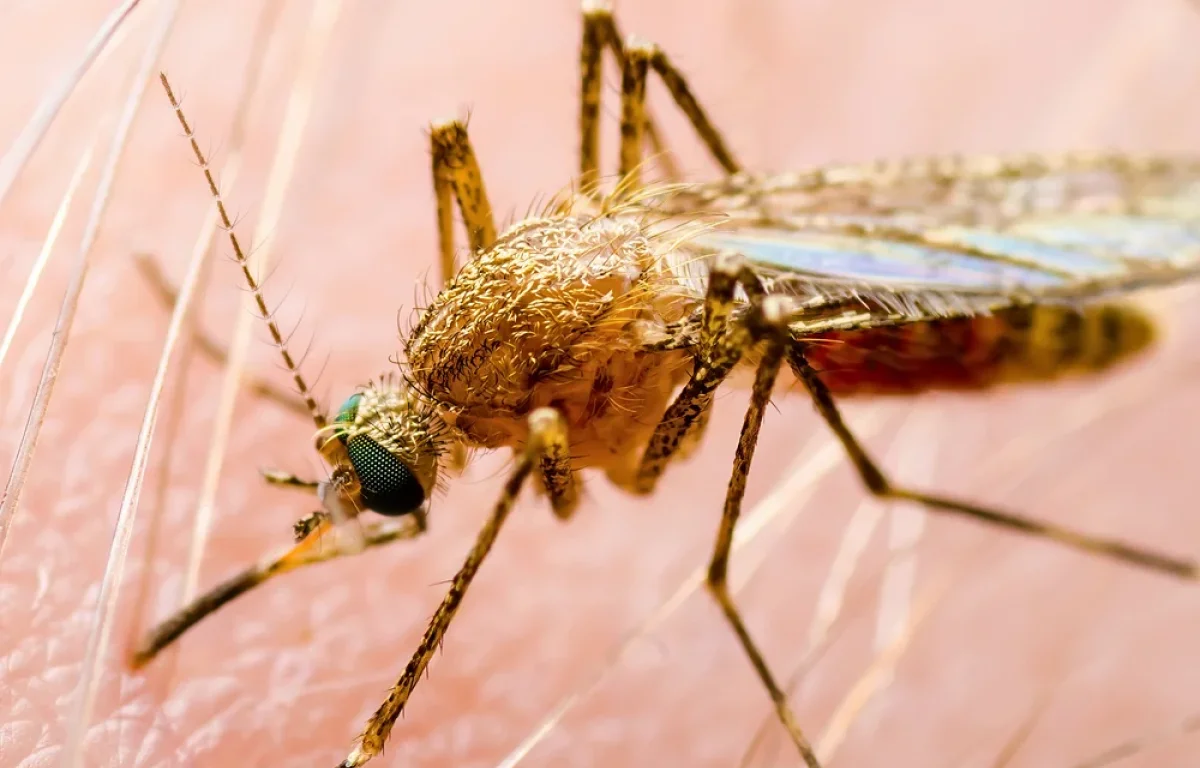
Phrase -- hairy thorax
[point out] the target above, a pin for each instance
(552, 316)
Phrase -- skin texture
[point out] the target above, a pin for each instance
(286, 676)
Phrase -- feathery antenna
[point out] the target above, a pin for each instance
(301, 387)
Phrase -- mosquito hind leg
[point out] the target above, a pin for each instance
(640, 57)
(591, 76)
(600, 32)
(878, 484)
(635, 59)
(772, 331)
(456, 176)
(547, 442)
(314, 548)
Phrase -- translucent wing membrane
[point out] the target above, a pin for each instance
(985, 191)
(887, 248)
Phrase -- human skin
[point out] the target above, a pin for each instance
(286, 676)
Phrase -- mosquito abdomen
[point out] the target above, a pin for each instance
(1028, 343)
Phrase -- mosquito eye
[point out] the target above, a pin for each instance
(389, 487)
(349, 408)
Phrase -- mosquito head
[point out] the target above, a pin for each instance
(391, 440)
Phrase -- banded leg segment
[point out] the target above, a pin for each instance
(600, 32)
(558, 479)
(318, 546)
(456, 176)
(639, 56)
(772, 331)
(721, 342)
(591, 79)
(633, 113)
(547, 435)
(634, 58)
(878, 484)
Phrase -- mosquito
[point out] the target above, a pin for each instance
(594, 336)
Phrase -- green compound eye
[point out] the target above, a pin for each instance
(389, 487)
(349, 408)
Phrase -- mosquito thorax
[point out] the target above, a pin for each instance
(392, 447)
(552, 315)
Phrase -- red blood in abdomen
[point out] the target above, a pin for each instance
(961, 353)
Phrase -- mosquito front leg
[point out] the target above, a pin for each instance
(769, 325)
(547, 439)
(719, 348)
(878, 484)
(318, 546)
(456, 175)
(288, 480)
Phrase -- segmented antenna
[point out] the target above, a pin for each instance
(301, 387)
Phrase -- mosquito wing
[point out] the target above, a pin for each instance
(867, 247)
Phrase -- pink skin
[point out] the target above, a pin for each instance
(285, 677)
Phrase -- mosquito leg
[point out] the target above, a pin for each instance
(600, 32)
(558, 479)
(591, 78)
(456, 175)
(634, 58)
(680, 334)
(878, 484)
(774, 329)
(206, 344)
(719, 347)
(547, 434)
(633, 113)
(287, 479)
(648, 55)
(317, 547)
